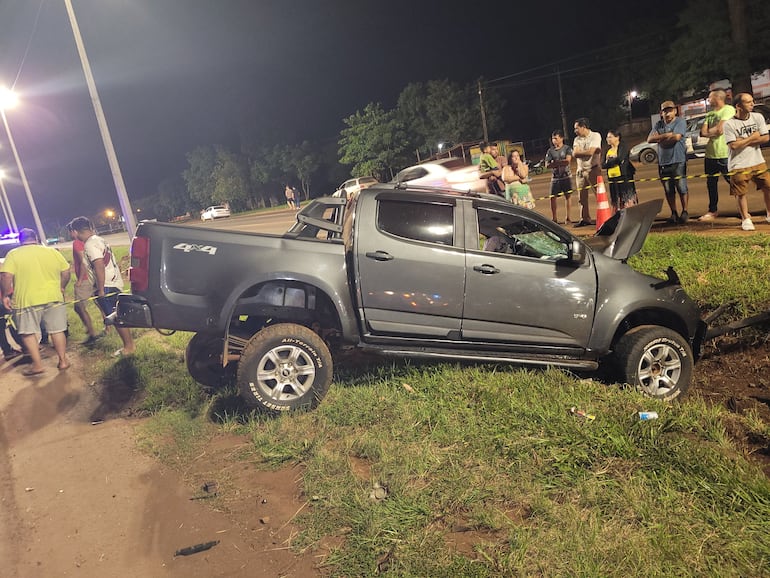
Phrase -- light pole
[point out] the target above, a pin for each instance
(8, 100)
(117, 176)
(7, 203)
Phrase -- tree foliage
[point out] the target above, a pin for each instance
(373, 142)
(705, 49)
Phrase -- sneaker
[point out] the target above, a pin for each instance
(747, 225)
(673, 219)
(709, 216)
(684, 217)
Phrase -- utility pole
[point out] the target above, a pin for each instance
(561, 104)
(483, 113)
(112, 158)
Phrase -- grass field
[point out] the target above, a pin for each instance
(484, 470)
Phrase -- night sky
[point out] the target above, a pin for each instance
(176, 74)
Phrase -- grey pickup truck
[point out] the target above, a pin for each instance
(410, 271)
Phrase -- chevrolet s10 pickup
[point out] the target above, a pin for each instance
(411, 272)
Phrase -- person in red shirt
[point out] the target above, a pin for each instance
(84, 289)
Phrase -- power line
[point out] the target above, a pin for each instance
(29, 43)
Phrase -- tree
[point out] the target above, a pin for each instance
(373, 142)
(713, 36)
(305, 162)
(231, 181)
(445, 111)
(199, 175)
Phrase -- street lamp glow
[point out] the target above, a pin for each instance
(8, 99)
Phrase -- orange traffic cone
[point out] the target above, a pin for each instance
(603, 211)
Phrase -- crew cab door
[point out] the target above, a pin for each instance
(523, 290)
(410, 273)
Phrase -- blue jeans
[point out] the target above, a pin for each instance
(674, 178)
(713, 168)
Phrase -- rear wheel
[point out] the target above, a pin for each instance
(284, 367)
(203, 358)
(656, 361)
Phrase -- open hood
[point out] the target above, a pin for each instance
(623, 235)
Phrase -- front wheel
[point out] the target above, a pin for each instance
(655, 360)
(284, 367)
(649, 156)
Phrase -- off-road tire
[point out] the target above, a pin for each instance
(284, 367)
(203, 357)
(656, 361)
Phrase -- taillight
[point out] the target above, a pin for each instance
(139, 271)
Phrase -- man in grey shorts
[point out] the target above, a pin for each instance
(36, 277)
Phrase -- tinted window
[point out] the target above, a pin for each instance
(429, 222)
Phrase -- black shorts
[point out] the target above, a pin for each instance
(562, 186)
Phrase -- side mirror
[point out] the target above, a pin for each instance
(577, 252)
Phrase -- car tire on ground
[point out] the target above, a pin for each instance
(656, 361)
(284, 367)
(203, 357)
(648, 156)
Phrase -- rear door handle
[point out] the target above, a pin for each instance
(486, 269)
(379, 256)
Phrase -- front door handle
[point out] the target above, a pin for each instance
(486, 269)
(379, 256)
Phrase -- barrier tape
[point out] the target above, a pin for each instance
(9, 316)
(661, 179)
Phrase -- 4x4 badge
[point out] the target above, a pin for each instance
(188, 247)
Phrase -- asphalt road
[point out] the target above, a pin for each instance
(648, 187)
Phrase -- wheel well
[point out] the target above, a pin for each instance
(650, 317)
(284, 301)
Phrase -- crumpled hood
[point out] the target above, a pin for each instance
(623, 235)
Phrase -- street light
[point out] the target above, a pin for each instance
(8, 100)
(632, 94)
(117, 176)
(7, 210)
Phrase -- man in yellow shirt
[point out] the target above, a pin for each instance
(36, 277)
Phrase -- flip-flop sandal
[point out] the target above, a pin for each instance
(32, 373)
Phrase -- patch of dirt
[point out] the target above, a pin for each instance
(734, 372)
(78, 498)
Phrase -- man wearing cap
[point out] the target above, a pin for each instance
(715, 161)
(744, 134)
(669, 133)
(36, 276)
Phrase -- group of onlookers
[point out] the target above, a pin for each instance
(33, 280)
(735, 134)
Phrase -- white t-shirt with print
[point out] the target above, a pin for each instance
(736, 128)
(97, 248)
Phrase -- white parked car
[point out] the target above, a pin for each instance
(354, 186)
(215, 212)
(453, 173)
